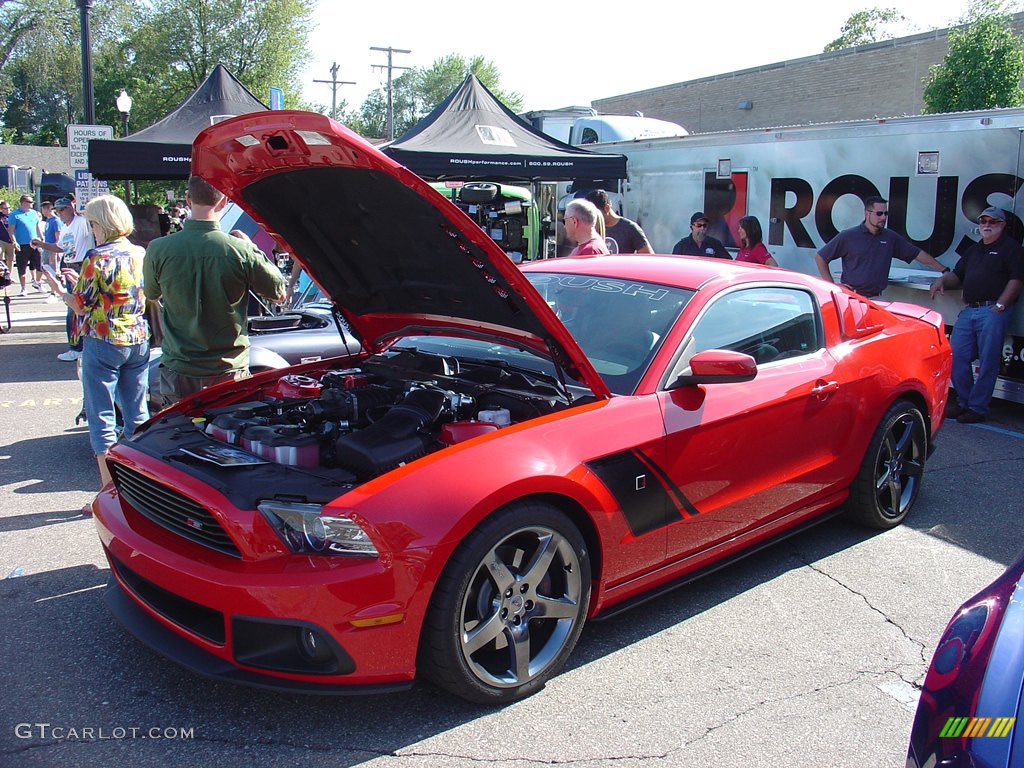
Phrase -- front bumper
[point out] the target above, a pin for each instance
(172, 646)
(293, 623)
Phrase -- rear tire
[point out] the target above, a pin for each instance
(890, 477)
(509, 606)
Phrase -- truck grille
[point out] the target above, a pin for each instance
(172, 510)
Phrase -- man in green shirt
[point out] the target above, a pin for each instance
(203, 277)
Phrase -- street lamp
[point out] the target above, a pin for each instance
(124, 106)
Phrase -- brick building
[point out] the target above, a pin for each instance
(842, 85)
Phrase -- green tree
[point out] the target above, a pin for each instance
(866, 26)
(158, 50)
(417, 91)
(983, 67)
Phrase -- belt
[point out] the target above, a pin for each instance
(980, 303)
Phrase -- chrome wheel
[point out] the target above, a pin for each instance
(509, 607)
(521, 607)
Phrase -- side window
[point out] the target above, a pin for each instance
(769, 324)
(589, 136)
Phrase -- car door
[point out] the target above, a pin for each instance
(741, 454)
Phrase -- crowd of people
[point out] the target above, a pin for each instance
(193, 283)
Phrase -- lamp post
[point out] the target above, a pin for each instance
(124, 106)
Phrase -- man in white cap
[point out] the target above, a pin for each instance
(74, 242)
(992, 274)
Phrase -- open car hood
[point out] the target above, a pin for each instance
(395, 256)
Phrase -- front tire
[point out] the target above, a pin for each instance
(509, 606)
(890, 477)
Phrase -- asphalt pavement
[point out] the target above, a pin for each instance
(809, 653)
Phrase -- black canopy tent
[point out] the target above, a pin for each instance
(472, 135)
(163, 151)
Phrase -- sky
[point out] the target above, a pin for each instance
(566, 54)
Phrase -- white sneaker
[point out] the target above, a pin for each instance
(70, 356)
(51, 299)
(35, 284)
(23, 291)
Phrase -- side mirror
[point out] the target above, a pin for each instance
(717, 366)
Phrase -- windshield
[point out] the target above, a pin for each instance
(619, 324)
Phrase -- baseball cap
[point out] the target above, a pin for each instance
(63, 202)
(698, 216)
(994, 213)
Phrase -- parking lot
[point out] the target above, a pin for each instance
(804, 654)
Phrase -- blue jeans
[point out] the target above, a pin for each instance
(979, 334)
(111, 372)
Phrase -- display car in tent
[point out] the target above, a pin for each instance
(973, 694)
(514, 452)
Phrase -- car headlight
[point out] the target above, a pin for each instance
(305, 530)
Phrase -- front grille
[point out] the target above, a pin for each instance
(172, 510)
(203, 621)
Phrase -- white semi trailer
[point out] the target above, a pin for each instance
(805, 183)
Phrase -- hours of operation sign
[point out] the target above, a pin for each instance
(79, 137)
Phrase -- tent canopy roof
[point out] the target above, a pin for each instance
(473, 135)
(164, 149)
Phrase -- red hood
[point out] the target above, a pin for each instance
(396, 256)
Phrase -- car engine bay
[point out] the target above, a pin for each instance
(314, 434)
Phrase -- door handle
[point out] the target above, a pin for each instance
(822, 389)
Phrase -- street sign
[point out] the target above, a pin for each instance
(79, 137)
(86, 188)
(276, 98)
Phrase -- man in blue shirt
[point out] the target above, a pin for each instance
(26, 225)
(867, 251)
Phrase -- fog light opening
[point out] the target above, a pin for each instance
(312, 646)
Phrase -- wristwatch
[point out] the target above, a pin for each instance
(1000, 307)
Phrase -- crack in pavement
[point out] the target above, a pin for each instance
(922, 649)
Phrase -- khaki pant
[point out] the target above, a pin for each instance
(7, 252)
(175, 386)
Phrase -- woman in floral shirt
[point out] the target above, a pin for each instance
(111, 306)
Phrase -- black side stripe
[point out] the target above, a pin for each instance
(647, 506)
(678, 497)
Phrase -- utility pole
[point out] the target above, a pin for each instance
(88, 101)
(391, 100)
(334, 82)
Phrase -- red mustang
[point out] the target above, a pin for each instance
(516, 451)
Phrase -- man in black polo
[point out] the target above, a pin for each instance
(992, 275)
(868, 249)
(699, 243)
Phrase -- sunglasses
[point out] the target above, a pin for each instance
(881, 213)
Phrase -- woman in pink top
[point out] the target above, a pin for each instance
(752, 250)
